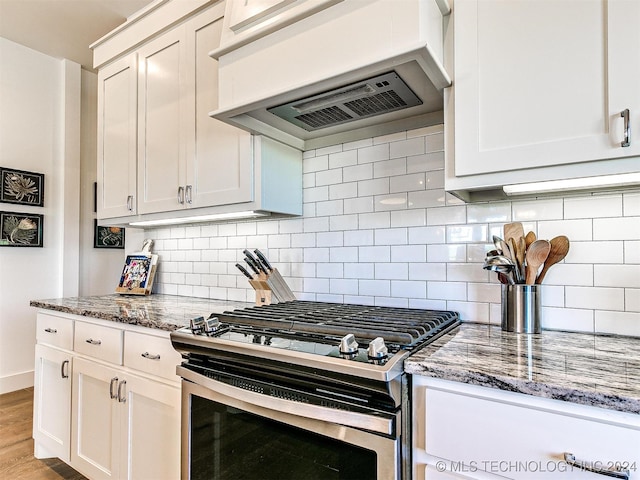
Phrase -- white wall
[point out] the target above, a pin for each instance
(378, 228)
(37, 93)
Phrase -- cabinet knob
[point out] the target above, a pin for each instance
(130, 203)
(93, 342)
(627, 128)
(181, 195)
(150, 356)
(189, 194)
(50, 330)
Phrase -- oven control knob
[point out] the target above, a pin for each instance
(197, 325)
(349, 346)
(377, 351)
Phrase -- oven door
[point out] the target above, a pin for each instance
(231, 433)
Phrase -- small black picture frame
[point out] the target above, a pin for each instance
(21, 229)
(107, 237)
(21, 187)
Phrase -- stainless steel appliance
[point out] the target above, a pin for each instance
(301, 390)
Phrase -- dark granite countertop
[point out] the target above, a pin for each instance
(596, 370)
(164, 312)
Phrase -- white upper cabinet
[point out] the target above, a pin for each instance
(161, 156)
(539, 88)
(117, 106)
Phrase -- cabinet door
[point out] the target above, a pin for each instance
(95, 433)
(150, 426)
(219, 170)
(162, 123)
(534, 87)
(117, 107)
(52, 403)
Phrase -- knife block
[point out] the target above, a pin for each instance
(263, 292)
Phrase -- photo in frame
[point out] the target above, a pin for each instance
(20, 187)
(21, 229)
(107, 237)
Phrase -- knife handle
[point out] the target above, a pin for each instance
(253, 264)
(244, 271)
(263, 259)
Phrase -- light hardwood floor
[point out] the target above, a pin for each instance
(16, 445)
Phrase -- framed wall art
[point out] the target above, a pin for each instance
(20, 187)
(20, 229)
(107, 237)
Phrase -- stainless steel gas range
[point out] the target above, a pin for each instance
(301, 390)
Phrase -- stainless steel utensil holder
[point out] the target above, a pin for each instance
(521, 308)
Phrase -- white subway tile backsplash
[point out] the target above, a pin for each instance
(595, 298)
(526, 211)
(390, 168)
(391, 236)
(416, 217)
(624, 276)
(619, 323)
(575, 230)
(623, 228)
(593, 207)
(343, 159)
(489, 213)
(358, 205)
(378, 186)
(631, 204)
(446, 215)
(595, 252)
(379, 229)
(407, 183)
(374, 153)
(358, 172)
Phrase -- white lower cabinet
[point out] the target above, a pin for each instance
(110, 405)
(52, 402)
(466, 431)
(124, 426)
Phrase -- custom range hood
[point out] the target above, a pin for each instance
(312, 73)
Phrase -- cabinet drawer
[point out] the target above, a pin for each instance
(99, 342)
(151, 354)
(516, 441)
(55, 331)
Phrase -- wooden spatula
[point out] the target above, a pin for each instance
(536, 255)
(559, 250)
(513, 230)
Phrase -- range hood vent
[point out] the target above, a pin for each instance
(374, 96)
(339, 71)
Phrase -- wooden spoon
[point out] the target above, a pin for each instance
(513, 230)
(536, 255)
(518, 251)
(559, 250)
(529, 239)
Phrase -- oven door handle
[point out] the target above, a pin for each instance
(384, 424)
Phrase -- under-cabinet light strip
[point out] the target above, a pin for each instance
(199, 218)
(625, 179)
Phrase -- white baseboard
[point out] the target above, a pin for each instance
(17, 381)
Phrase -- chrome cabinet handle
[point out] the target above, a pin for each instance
(114, 380)
(150, 357)
(614, 472)
(93, 342)
(188, 194)
(181, 195)
(121, 386)
(130, 203)
(62, 369)
(627, 128)
(51, 330)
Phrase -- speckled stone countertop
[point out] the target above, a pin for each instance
(164, 312)
(596, 370)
